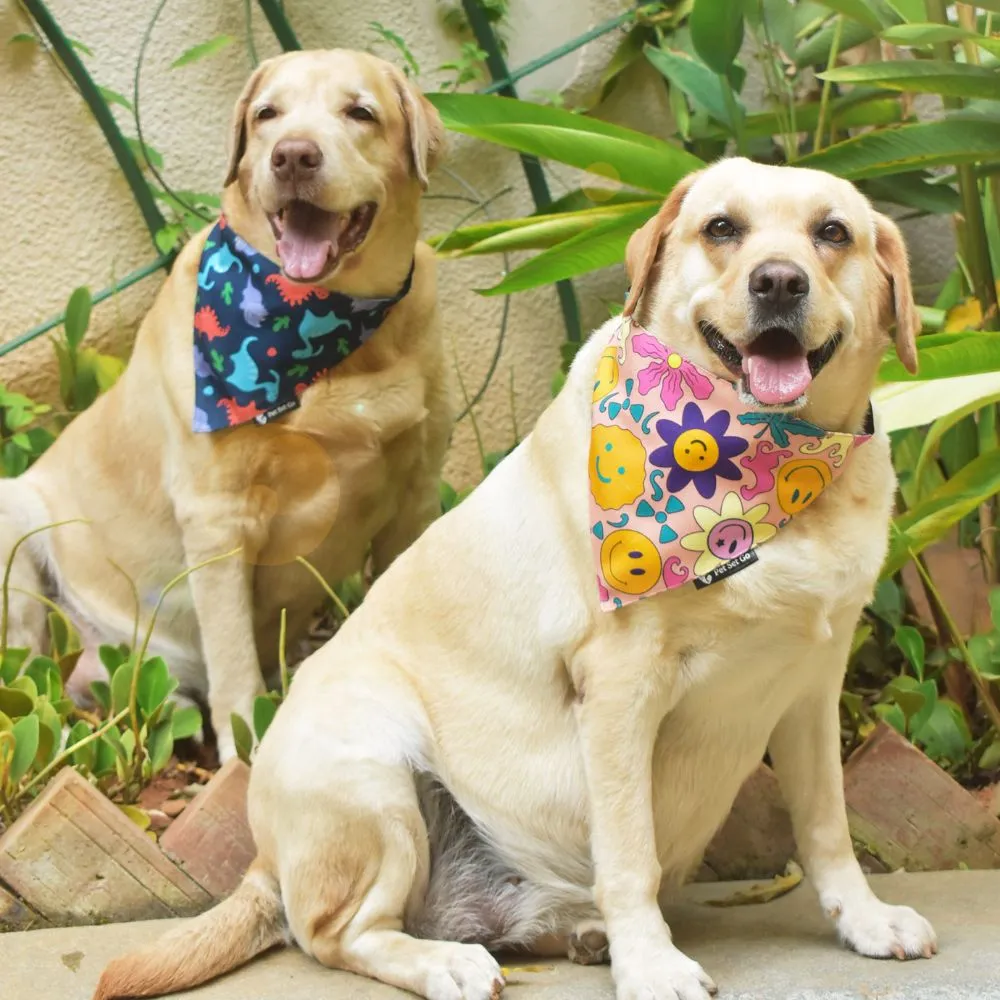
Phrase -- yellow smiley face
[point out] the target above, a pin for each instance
(630, 562)
(799, 482)
(617, 466)
(606, 377)
(696, 450)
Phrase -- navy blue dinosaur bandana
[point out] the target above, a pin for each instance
(260, 340)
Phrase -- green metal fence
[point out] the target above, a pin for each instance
(503, 82)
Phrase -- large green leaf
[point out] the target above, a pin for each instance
(944, 423)
(856, 10)
(608, 150)
(815, 51)
(930, 34)
(909, 147)
(717, 32)
(529, 232)
(947, 356)
(931, 519)
(600, 246)
(914, 404)
(925, 76)
(855, 110)
(914, 191)
(532, 232)
(695, 79)
(908, 10)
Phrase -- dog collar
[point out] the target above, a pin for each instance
(260, 340)
(686, 481)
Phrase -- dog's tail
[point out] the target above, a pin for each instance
(242, 926)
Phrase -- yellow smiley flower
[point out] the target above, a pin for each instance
(726, 533)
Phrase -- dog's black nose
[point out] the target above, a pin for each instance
(779, 284)
(296, 159)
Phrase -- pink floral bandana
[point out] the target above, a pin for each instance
(685, 480)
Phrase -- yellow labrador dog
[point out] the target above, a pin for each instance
(329, 155)
(483, 758)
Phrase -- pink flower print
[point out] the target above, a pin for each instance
(669, 371)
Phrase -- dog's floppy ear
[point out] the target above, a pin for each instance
(890, 254)
(238, 131)
(644, 244)
(424, 128)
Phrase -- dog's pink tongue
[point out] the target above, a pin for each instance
(775, 380)
(303, 257)
(307, 240)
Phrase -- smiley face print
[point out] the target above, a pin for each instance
(630, 561)
(799, 482)
(606, 376)
(617, 466)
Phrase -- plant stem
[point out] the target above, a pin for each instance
(135, 770)
(282, 658)
(330, 592)
(824, 101)
(180, 578)
(468, 408)
(52, 606)
(972, 233)
(5, 608)
(136, 601)
(735, 115)
(982, 687)
(88, 90)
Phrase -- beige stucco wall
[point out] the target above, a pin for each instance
(68, 218)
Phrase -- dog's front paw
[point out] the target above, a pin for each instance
(878, 930)
(667, 974)
(463, 972)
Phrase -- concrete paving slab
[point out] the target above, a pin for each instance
(782, 950)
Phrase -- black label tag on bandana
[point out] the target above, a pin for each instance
(277, 411)
(726, 569)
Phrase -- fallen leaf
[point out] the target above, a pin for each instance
(766, 891)
(509, 970)
(138, 816)
(72, 960)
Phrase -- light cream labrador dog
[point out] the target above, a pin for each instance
(330, 153)
(482, 757)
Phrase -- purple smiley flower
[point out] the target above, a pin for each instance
(697, 450)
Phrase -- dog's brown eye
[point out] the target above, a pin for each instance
(360, 113)
(720, 229)
(833, 232)
(264, 113)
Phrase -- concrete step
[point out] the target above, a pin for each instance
(783, 950)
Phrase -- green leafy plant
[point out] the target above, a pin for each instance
(121, 747)
(84, 372)
(24, 435)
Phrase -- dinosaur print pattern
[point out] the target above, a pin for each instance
(207, 322)
(261, 339)
(312, 329)
(252, 305)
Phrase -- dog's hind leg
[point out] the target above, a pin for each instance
(351, 883)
